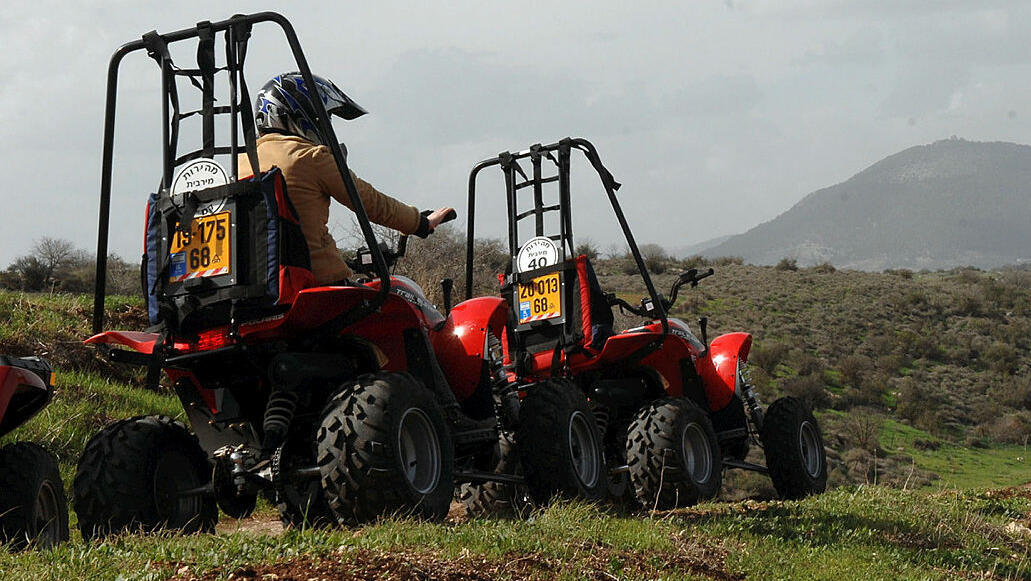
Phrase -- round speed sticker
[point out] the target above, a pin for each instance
(199, 174)
(537, 253)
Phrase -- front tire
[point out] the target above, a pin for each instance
(794, 449)
(383, 448)
(559, 445)
(33, 509)
(673, 455)
(132, 475)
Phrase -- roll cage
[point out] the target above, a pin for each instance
(236, 32)
(517, 181)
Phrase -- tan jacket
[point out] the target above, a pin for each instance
(312, 178)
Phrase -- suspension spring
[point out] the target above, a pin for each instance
(755, 410)
(278, 414)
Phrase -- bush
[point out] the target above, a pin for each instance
(768, 354)
(655, 258)
(824, 268)
(808, 388)
(853, 369)
(587, 248)
(787, 264)
(860, 428)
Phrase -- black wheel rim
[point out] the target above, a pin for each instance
(46, 516)
(173, 476)
(696, 452)
(809, 449)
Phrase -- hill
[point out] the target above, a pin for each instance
(951, 203)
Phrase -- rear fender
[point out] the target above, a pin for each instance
(719, 367)
(461, 342)
(22, 395)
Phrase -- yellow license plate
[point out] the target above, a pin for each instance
(203, 251)
(540, 299)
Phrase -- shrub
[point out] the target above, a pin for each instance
(654, 257)
(808, 388)
(768, 354)
(787, 264)
(824, 268)
(860, 428)
(854, 368)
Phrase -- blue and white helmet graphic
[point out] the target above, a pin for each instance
(284, 105)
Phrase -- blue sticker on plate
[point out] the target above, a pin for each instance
(524, 310)
(178, 266)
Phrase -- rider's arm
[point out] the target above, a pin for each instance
(381, 208)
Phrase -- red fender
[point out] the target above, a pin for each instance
(460, 343)
(15, 380)
(718, 368)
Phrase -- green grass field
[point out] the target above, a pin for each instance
(850, 533)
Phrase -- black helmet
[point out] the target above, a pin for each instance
(284, 105)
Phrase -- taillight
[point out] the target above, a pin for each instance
(211, 340)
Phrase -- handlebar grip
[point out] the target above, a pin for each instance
(449, 216)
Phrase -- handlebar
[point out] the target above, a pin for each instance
(362, 261)
(648, 308)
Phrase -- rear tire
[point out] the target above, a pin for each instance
(560, 448)
(500, 499)
(794, 449)
(131, 474)
(33, 509)
(384, 449)
(673, 455)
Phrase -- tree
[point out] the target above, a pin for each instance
(588, 248)
(52, 254)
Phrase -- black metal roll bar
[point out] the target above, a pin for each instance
(536, 153)
(238, 25)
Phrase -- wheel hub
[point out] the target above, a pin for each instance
(45, 516)
(419, 451)
(583, 449)
(694, 449)
(809, 448)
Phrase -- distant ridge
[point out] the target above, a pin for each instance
(951, 203)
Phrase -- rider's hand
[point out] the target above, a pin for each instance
(437, 217)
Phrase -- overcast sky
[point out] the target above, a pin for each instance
(715, 115)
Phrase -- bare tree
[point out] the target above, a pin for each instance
(52, 253)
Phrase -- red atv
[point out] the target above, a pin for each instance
(32, 502)
(329, 399)
(671, 410)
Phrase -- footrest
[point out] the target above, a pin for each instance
(476, 436)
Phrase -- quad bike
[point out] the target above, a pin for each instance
(672, 410)
(33, 510)
(342, 403)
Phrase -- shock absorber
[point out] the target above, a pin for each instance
(751, 399)
(506, 394)
(279, 412)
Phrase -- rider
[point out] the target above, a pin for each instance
(290, 140)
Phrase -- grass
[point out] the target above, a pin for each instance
(849, 533)
(955, 527)
(957, 466)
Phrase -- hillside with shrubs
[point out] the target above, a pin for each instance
(918, 378)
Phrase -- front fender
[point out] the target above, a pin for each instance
(460, 343)
(718, 368)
